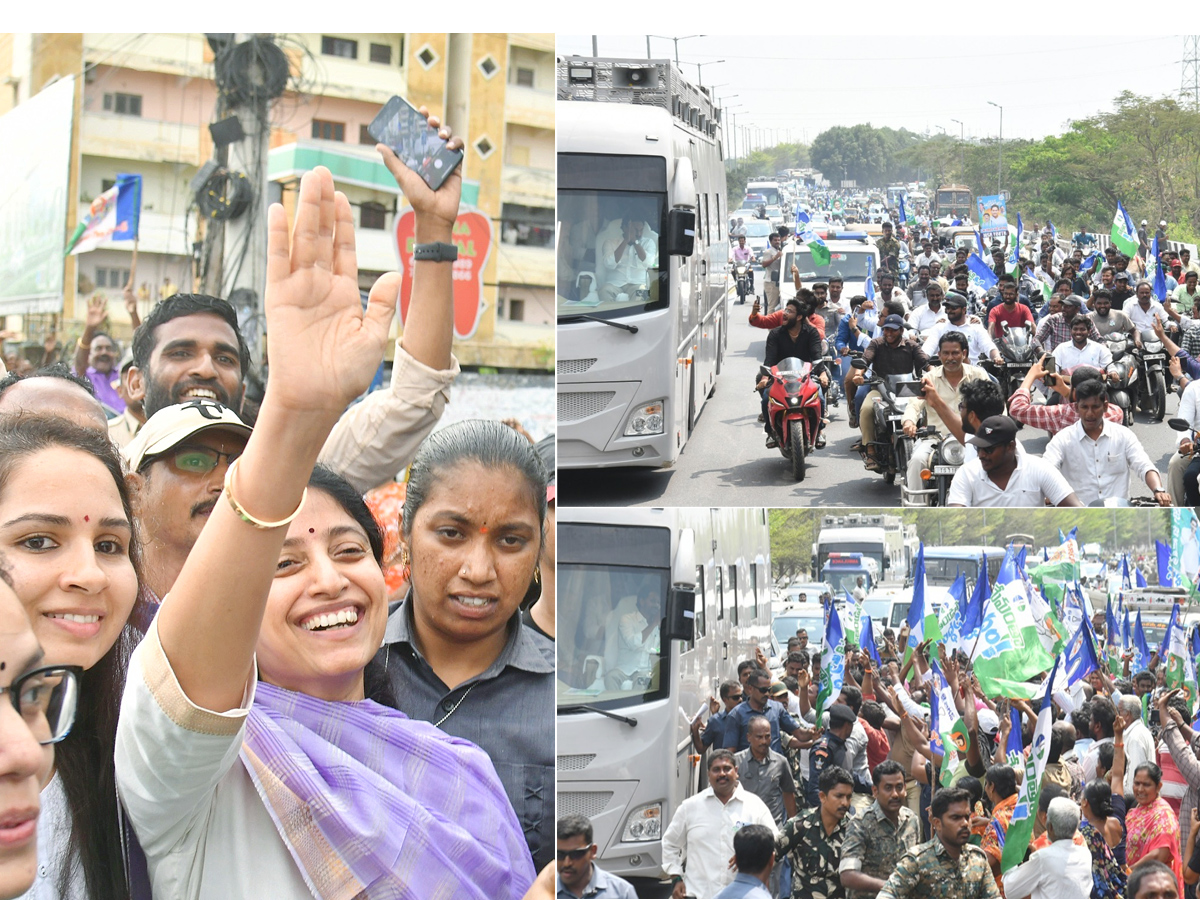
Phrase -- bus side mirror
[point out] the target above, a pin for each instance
(679, 623)
(680, 238)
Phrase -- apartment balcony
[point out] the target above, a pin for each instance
(527, 186)
(146, 140)
(528, 106)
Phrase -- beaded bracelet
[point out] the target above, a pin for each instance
(245, 516)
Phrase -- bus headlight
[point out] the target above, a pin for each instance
(644, 823)
(646, 419)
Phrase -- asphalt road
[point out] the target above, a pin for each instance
(726, 463)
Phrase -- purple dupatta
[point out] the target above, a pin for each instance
(375, 806)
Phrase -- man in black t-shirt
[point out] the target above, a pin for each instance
(795, 337)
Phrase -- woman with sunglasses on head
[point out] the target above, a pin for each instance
(66, 532)
(35, 714)
(249, 758)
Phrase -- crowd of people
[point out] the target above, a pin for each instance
(869, 792)
(243, 659)
(947, 331)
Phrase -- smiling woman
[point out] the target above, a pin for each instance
(66, 535)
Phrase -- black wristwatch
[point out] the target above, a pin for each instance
(438, 251)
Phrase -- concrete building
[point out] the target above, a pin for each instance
(144, 104)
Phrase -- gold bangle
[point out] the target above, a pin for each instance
(81, 345)
(245, 516)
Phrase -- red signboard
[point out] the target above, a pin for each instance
(473, 237)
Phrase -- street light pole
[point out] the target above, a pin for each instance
(962, 159)
(673, 39)
(700, 73)
(1000, 164)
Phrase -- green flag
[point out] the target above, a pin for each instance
(1010, 648)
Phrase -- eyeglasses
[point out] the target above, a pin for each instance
(45, 698)
(192, 459)
(573, 855)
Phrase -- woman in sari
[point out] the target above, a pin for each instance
(249, 758)
(1152, 829)
(1101, 832)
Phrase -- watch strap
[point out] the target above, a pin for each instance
(438, 251)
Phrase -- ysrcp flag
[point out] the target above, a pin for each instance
(980, 273)
(113, 216)
(1020, 827)
(869, 287)
(948, 723)
(1124, 235)
(1010, 648)
(833, 660)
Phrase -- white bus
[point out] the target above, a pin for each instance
(624, 750)
(882, 538)
(640, 340)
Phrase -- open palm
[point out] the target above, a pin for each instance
(323, 348)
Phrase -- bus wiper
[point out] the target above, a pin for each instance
(583, 707)
(632, 329)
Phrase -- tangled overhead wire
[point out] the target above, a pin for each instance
(225, 195)
(253, 71)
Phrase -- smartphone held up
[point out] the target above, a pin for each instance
(402, 128)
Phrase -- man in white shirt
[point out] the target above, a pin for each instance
(1139, 743)
(702, 829)
(927, 255)
(1143, 310)
(637, 642)
(1189, 410)
(978, 340)
(1080, 351)
(924, 317)
(627, 259)
(1002, 478)
(1097, 456)
(1061, 870)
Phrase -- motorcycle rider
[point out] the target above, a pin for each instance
(944, 380)
(923, 318)
(836, 284)
(1008, 310)
(889, 354)
(854, 334)
(1097, 456)
(1056, 327)
(794, 337)
(1143, 310)
(888, 245)
(917, 291)
(928, 255)
(888, 290)
(1107, 319)
(743, 254)
(1054, 417)
(771, 261)
(1001, 477)
(1080, 351)
(956, 320)
(962, 285)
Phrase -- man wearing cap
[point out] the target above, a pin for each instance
(1002, 478)
(1056, 327)
(1097, 456)
(178, 463)
(830, 750)
(978, 340)
(890, 354)
(1161, 234)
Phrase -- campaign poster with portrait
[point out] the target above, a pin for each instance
(993, 218)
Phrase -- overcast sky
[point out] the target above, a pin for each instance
(1042, 82)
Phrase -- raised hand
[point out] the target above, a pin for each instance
(323, 348)
(438, 207)
(97, 311)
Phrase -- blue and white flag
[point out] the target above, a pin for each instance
(112, 216)
(1141, 650)
(1126, 581)
(1160, 279)
(1081, 656)
(981, 273)
(868, 639)
(955, 633)
(1014, 750)
(1164, 564)
(1139, 580)
(869, 287)
(833, 659)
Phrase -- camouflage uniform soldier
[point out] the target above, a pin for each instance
(947, 866)
(813, 839)
(878, 837)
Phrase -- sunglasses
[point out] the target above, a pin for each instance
(193, 459)
(573, 855)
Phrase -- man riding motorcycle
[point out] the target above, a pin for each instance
(890, 354)
(743, 254)
(794, 337)
(1107, 319)
(1008, 311)
(944, 380)
(956, 320)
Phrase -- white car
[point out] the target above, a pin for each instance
(848, 258)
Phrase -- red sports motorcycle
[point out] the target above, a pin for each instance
(793, 409)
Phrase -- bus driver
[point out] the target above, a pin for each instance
(626, 258)
(637, 644)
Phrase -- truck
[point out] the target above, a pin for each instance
(624, 750)
(640, 341)
(882, 538)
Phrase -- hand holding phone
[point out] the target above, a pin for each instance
(440, 202)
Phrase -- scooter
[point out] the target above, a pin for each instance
(892, 447)
(1122, 374)
(1018, 352)
(793, 410)
(1152, 364)
(741, 272)
(946, 460)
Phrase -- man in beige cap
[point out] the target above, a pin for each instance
(178, 460)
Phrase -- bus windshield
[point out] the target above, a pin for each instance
(848, 264)
(945, 571)
(611, 585)
(768, 192)
(608, 256)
